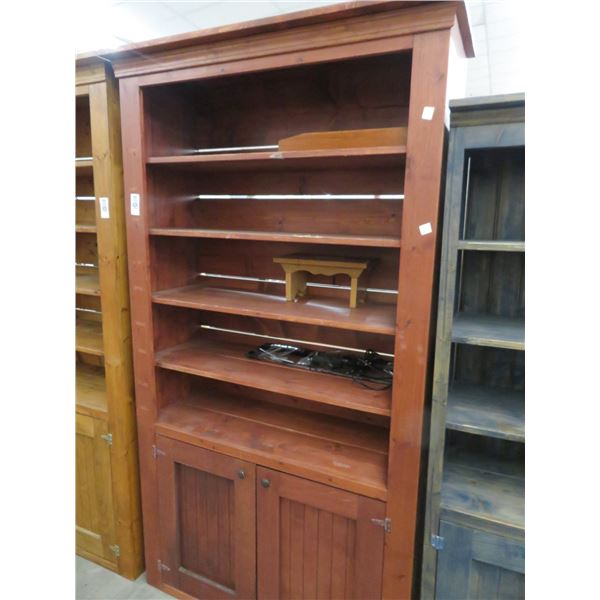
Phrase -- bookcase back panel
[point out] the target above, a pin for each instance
(83, 132)
(84, 185)
(176, 325)
(174, 203)
(495, 197)
(263, 107)
(180, 261)
(90, 303)
(504, 457)
(86, 249)
(85, 212)
(491, 367)
(492, 283)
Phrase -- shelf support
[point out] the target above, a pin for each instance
(416, 284)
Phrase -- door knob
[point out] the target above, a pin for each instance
(265, 483)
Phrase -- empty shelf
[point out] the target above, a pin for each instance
(90, 391)
(87, 283)
(487, 330)
(280, 236)
(482, 410)
(341, 453)
(492, 245)
(85, 228)
(88, 337)
(484, 489)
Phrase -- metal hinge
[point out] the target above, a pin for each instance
(107, 437)
(156, 452)
(161, 566)
(385, 523)
(115, 550)
(438, 542)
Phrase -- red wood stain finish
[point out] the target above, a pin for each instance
(333, 454)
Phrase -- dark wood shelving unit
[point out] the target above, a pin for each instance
(108, 511)
(271, 453)
(474, 525)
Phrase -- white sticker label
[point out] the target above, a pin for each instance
(425, 229)
(104, 213)
(135, 204)
(428, 113)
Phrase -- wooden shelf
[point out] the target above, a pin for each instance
(87, 283)
(88, 337)
(341, 453)
(84, 167)
(376, 156)
(85, 228)
(491, 245)
(374, 318)
(486, 411)
(90, 391)
(279, 236)
(487, 330)
(226, 361)
(484, 489)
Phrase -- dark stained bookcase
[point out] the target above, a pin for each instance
(474, 534)
(260, 480)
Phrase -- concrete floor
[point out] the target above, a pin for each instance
(94, 582)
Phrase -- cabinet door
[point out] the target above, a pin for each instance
(94, 504)
(207, 507)
(475, 564)
(315, 541)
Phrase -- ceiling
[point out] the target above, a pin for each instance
(497, 68)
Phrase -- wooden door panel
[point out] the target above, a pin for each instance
(94, 503)
(208, 522)
(475, 564)
(315, 541)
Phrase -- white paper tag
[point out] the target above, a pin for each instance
(135, 204)
(428, 113)
(425, 229)
(104, 212)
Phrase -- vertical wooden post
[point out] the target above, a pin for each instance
(112, 255)
(141, 308)
(416, 286)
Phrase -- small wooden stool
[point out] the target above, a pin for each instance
(297, 266)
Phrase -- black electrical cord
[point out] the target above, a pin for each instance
(369, 368)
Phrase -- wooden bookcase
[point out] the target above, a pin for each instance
(474, 532)
(260, 480)
(108, 511)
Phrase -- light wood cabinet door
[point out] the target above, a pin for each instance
(316, 541)
(207, 510)
(94, 502)
(476, 564)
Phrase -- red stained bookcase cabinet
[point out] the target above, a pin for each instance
(260, 480)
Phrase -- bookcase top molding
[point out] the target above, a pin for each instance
(388, 25)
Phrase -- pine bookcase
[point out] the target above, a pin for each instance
(474, 526)
(260, 480)
(108, 510)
